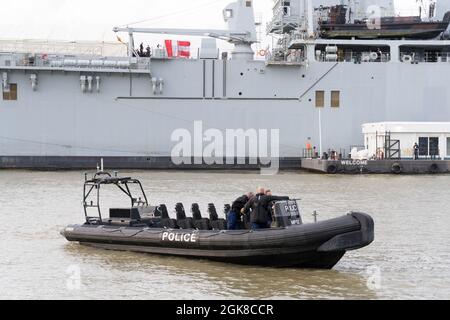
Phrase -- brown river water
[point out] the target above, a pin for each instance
(410, 258)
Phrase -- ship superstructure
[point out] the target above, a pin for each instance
(72, 107)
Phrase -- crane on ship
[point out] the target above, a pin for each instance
(241, 30)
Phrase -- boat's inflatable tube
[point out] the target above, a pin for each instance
(353, 240)
(315, 245)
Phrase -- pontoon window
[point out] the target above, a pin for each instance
(434, 146)
(429, 146)
(320, 99)
(423, 146)
(335, 99)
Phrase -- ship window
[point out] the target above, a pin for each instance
(320, 99)
(228, 14)
(10, 94)
(248, 4)
(335, 99)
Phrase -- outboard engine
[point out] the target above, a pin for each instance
(286, 214)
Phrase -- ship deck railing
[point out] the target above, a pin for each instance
(355, 57)
(428, 57)
(58, 61)
(282, 22)
(285, 57)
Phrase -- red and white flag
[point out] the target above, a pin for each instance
(180, 49)
(184, 49)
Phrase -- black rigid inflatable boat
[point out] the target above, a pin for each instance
(147, 229)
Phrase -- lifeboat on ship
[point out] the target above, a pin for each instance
(149, 229)
(413, 27)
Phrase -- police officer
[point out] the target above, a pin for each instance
(235, 214)
(259, 204)
(271, 208)
(416, 151)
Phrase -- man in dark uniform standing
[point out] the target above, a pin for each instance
(416, 151)
(259, 204)
(235, 214)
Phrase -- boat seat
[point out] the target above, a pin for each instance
(166, 221)
(182, 221)
(200, 223)
(216, 223)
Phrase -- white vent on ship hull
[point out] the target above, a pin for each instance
(87, 83)
(33, 79)
(83, 83)
(5, 83)
(158, 85)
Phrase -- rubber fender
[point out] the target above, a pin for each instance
(332, 169)
(434, 168)
(397, 168)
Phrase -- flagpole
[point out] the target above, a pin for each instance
(320, 132)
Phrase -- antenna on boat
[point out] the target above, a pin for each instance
(315, 215)
(101, 167)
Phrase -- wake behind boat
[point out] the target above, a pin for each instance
(149, 229)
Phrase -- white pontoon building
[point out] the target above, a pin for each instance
(397, 139)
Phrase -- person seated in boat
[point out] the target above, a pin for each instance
(259, 205)
(234, 216)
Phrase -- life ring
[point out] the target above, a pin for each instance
(397, 168)
(373, 56)
(434, 168)
(332, 169)
(262, 53)
(380, 154)
(407, 58)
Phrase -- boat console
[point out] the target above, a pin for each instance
(286, 214)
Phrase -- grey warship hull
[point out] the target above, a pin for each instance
(68, 111)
